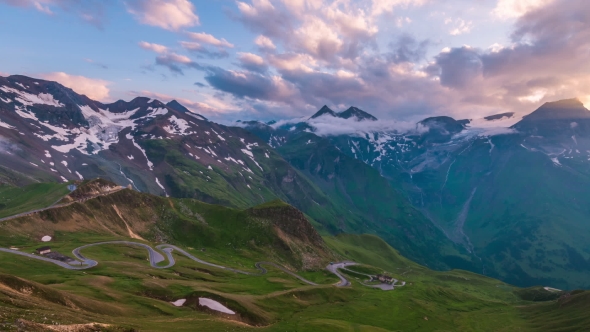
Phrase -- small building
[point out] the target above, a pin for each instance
(44, 250)
(385, 279)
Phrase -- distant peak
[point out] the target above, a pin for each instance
(352, 112)
(355, 112)
(177, 106)
(560, 110)
(324, 111)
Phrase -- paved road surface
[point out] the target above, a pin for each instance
(155, 258)
(334, 269)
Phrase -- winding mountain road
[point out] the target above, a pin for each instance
(155, 258)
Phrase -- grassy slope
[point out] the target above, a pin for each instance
(14, 200)
(526, 234)
(123, 290)
(234, 187)
(371, 203)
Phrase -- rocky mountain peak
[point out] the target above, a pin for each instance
(557, 118)
(323, 111)
(354, 112)
(560, 110)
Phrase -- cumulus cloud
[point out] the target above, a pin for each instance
(244, 84)
(546, 61)
(252, 62)
(265, 43)
(176, 62)
(153, 47)
(327, 57)
(169, 59)
(166, 14)
(206, 38)
(325, 30)
(96, 89)
(506, 9)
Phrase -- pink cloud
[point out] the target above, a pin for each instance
(166, 14)
(209, 39)
(265, 43)
(96, 89)
(153, 47)
(209, 106)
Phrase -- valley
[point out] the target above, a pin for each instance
(471, 225)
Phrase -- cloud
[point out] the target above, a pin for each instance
(90, 11)
(507, 9)
(203, 51)
(407, 49)
(547, 61)
(176, 62)
(7, 146)
(206, 38)
(265, 43)
(387, 6)
(96, 89)
(325, 30)
(169, 59)
(243, 84)
(458, 67)
(459, 26)
(331, 126)
(210, 106)
(153, 47)
(166, 14)
(252, 62)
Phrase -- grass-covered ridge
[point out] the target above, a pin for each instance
(124, 292)
(15, 200)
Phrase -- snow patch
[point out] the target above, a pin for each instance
(249, 153)
(149, 163)
(161, 186)
(214, 305)
(28, 99)
(6, 125)
(178, 303)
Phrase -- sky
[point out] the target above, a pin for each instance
(281, 59)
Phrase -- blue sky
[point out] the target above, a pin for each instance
(264, 59)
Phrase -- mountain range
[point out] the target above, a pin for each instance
(503, 196)
(511, 191)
